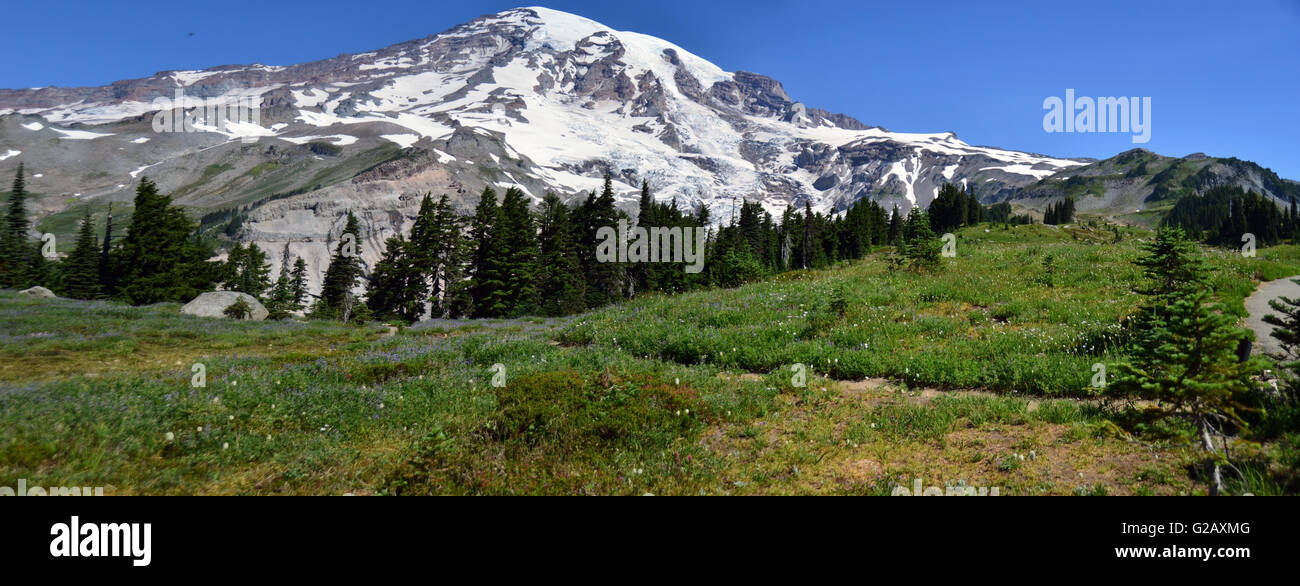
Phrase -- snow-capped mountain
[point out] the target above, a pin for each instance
(533, 97)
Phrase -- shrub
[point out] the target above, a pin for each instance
(240, 309)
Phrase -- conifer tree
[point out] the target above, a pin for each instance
(337, 298)
(1186, 362)
(81, 268)
(160, 259)
(561, 288)
(921, 247)
(975, 211)
(281, 301)
(298, 283)
(643, 274)
(604, 279)
(39, 270)
(1172, 267)
(806, 238)
(437, 247)
(1287, 333)
(485, 280)
(15, 251)
(424, 247)
(948, 210)
(107, 279)
(511, 261)
(397, 289)
(1184, 355)
(895, 227)
(246, 270)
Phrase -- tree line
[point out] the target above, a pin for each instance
(508, 259)
(160, 255)
(1222, 215)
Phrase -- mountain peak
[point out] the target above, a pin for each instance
(531, 97)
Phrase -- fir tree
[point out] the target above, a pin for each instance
(298, 283)
(1172, 267)
(895, 227)
(484, 282)
(605, 280)
(281, 301)
(337, 298)
(644, 274)
(921, 247)
(81, 268)
(1186, 362)
(424, 248)
(806, 237)
(246, 270)
(107, 278)
(561, 288)
(1287, 333)
(974, 211)
(437, 250)
(39, 270)
(15, 252)
(159, 259)
(397, 287)
(949, 210)
(511, 260)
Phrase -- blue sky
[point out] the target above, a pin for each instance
(1224, 78)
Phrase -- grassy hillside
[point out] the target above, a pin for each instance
(970, 376)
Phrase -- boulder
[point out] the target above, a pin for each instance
(214, 304)
(38, 291)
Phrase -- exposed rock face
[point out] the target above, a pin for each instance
(38, 291)
(214, 304)
(532, 97)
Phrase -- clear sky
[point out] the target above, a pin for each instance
(1224, 77)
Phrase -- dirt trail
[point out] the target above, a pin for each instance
(1257, 307)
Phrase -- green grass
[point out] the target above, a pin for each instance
(690, 394)
(983, 322)
(209, 172)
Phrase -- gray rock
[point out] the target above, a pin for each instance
(214, 304)
(38, 291)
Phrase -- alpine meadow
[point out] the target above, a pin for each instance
(536, 255)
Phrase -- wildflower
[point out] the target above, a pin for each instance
(170, 436)
(225, 445)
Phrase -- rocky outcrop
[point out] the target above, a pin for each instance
(38, 291)
(214, 304)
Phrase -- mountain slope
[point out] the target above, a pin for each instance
(530, 97)
(1137, 185)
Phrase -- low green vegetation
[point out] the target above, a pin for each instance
(852, 379)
